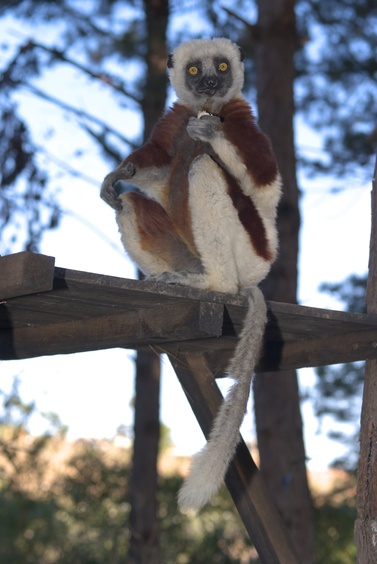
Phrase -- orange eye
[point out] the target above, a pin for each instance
(193, 70)
(223, 67)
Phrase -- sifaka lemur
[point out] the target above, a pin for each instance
(203, 214)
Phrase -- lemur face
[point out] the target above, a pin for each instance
(206, 73)
(207, 78)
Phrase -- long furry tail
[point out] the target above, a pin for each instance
(210, 464)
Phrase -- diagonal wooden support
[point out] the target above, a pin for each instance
(245, 484)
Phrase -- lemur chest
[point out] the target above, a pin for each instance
(184, 153)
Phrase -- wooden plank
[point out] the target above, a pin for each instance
(279, 355)
(102, 285)
(296, 336)
(366, 522)
(80, 295)
(250, 495)
(25, 273)
(289, 319)
(319, 351)
(133, 328)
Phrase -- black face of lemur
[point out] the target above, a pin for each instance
(209, 79)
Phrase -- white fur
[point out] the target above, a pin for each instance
(205, 49)
(211, 209)
(210, 464)
(265, 198)
(229, 260)
(127, 223)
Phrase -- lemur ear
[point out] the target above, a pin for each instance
(170, 61)
(242, 53)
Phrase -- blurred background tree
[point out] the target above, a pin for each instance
(338, 390)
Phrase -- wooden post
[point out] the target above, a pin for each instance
(366, 523)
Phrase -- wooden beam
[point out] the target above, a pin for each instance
(25, 273)
(320, 351)
(85, 311)
(243, 479)
(133, 328)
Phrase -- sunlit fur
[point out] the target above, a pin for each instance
(204, 216)
(210, 464)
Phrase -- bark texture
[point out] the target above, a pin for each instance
(366, 523)
(144, 525)
(277, 402)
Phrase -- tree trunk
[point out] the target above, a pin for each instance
(144, 543)
(366, 523)
(277, 404)
(155, 88)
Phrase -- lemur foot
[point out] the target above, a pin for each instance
(170, 278)
(108, 192)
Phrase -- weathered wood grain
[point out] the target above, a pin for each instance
(366, 523)
(132, 328)
(85, 311)
(25, 273)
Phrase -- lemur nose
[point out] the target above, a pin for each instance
(211, 82)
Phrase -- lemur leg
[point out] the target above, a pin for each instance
(149, 238)
(213, 220)
(214, 224)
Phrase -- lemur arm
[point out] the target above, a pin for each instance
(238, 142)
(148, 167)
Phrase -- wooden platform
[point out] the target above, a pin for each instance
(46, 310)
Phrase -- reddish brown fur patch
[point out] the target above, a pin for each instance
(252, 144)
(186, 151)
(158, 150)
(249, 217)
(169, 144)
(153, 222)
(157, 233)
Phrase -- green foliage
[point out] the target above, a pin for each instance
(335, 526)
(93, 492)
(76, 510)
(338, 389)
(28, 172)
(25, 196)
(216, 534)
(337, 83)
(351, 292)
(28, 513)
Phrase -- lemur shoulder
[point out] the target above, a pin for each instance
(204, 215)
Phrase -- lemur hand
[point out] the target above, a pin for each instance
(108, 192)
(204, 128)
